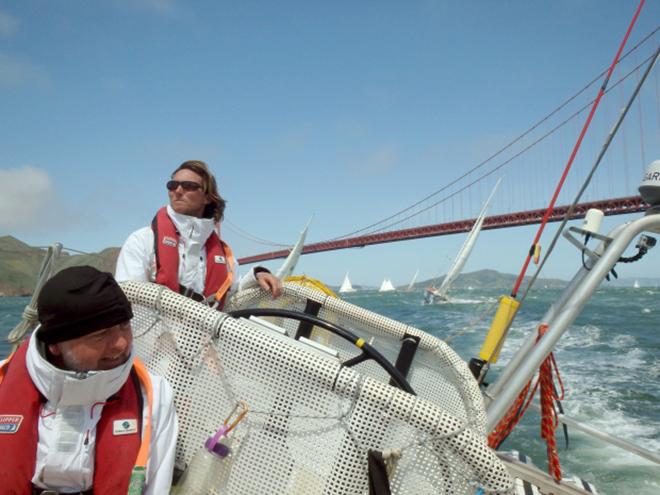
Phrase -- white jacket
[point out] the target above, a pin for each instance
(67, 424)
(137, 260)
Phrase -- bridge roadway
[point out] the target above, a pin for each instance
(616, 206)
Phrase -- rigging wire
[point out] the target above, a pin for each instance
(549, 397)
(515, 156)
(513, 415)
(472, 324)
(250, 237)
(641, 131)
(504, 148)
(567, 168)
(606, 145)
(657, 98)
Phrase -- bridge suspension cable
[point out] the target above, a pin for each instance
(250, 237)
(595, 166)
(371, 227)
(492, 171)
(576, 147)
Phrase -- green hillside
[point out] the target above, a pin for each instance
(490, 279)
(20, 264)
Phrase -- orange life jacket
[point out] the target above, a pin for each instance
(219, 258)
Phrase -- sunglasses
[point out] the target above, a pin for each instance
(186, 185)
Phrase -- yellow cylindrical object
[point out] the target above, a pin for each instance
(505, 313)
(537, 253)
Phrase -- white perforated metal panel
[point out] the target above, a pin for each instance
(311, 421)
(437, 373)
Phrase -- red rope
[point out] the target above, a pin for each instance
(549, 420)
(567, 168)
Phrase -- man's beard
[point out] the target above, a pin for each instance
(74, 363)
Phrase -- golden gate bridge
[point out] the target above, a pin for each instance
(618, 206)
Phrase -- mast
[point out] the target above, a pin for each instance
(466, 249)
(412, 282)
(292, 260)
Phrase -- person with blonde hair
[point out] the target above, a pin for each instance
(182, 248)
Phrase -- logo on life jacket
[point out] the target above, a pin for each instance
(10, 423)
(220, 259)
(168, 241)
(124, 426)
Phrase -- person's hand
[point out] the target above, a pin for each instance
(269, 283)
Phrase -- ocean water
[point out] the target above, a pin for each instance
(609, 363)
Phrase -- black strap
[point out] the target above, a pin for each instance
(304, 327)
(195, 296)
(379, 484)
(154, 228)
(404, 360)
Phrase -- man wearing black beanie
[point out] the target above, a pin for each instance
(79, 411)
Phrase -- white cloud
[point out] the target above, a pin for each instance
(26, 194)
(33, 210)
(8, 24)
(15, 73)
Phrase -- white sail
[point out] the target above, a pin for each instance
(466, 249)
(386, 286)
(412, 282)
(292, 260)
(636, 284)
(346, 285)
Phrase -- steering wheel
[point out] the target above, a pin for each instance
(368, 352)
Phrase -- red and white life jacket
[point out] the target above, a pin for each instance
(20, 406)
(219, 258)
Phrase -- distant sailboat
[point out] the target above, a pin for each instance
(346, 285)
(636, 284)
(386, 286)
(440, 294)
(412, 282)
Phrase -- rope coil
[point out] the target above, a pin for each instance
(549, 419)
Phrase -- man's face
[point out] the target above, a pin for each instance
(102, 350)
(188, 202)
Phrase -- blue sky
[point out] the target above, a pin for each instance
(348, 111)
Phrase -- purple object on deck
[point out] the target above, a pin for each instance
(214, 446)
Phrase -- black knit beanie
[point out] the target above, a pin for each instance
(78, 301)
